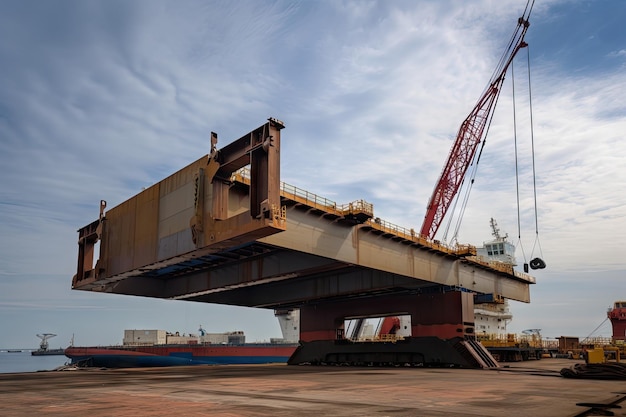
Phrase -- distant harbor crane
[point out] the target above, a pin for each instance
(44, 348)
(44, 340)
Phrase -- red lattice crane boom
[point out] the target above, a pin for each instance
(470, 134)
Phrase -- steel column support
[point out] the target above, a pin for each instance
(445, 315)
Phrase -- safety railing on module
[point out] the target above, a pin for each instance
(312, 200)
(361, 207)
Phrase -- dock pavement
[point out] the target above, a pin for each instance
(532, 388)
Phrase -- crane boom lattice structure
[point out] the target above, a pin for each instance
(472, 131)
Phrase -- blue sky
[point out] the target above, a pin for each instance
(99, 99)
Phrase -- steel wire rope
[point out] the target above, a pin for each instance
(472, 179)
(596, 329)
(528, 9)
(516, 157)
(609, 370)
(525, 17)
(532, 144)
(512, 42)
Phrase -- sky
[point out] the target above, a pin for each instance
(99, 99)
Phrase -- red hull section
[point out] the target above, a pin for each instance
(618, 320)
(173, 355)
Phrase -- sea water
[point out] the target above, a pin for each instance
(11, 362)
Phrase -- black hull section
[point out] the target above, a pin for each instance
(512, 354)
(418, 351)
(48, 352)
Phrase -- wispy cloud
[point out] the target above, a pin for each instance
(98, 100)
(616, 54)
(34, 306)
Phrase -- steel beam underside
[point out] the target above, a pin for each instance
(277, 278)
(312, 260)
(357, 245)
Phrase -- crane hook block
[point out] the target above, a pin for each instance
(537, 263)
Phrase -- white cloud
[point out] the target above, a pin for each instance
(100, 100)
(615, 54)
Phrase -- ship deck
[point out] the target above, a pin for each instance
(517, 389)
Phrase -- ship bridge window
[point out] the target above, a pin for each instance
(495, 249)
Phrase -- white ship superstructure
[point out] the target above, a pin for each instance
(492, 318)
(289, 321)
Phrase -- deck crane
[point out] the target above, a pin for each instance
(470, 134)
(44, 340)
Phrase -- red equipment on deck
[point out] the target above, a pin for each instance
(617, 315)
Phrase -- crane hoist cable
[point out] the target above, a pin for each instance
(468, 189)
(471, 132)
(586, 339)
(515, 44)
(517, 190)
(535, 262)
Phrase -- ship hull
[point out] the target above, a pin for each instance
(47, 352)
(179, 355)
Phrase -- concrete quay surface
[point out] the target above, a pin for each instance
(533, 388)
